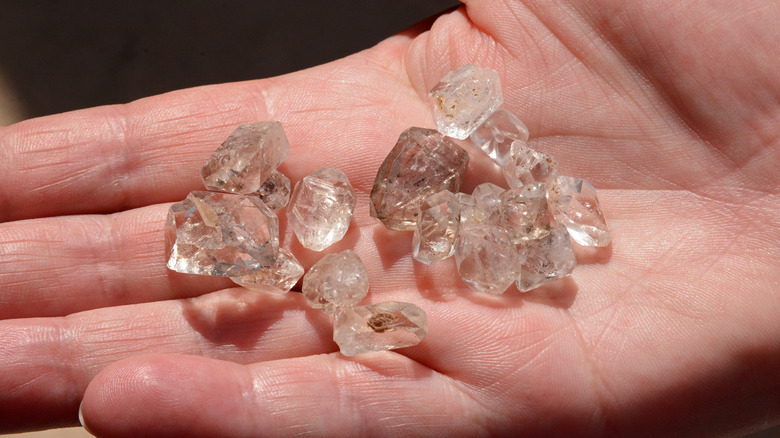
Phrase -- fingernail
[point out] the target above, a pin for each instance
(81, 420)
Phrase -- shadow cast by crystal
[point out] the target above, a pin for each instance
(560, 294)
(592, 255)
(391, 245)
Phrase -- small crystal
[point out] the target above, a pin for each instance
(469, 213)
(337, 280)
(496, 134)
(487, 260)
(545, 260)
(275, 191)
(379, 327)
(422, 162)
(282, 275)
(246, 159)
(221, 234)
(487, 197)
(524, 212)
(437, 228)
(464, 98)
(527, 166)
(574, 204)
(321, 208)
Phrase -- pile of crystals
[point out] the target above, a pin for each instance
(232, 231)
(499, 236)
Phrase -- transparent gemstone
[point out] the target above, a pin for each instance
(496, 134)
(527, 166)
(283, 275)
(487, 197)
(321, 208)
(336, 280)
(423, 162)
(437, 228)
(379, 327)
(487, 260)
(464, 98)
(574, 204)
(524, 212)
(469, 213)
(275, 191)
(221, 234)
(545, 259)
(246, 159)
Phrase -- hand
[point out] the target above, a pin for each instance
(669, 109)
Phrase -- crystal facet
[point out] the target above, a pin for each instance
(470, 214)
(574, 204)
(487, 197)
(336, 280)
(379, 327)
(221, 234)
(496, 134)
(464, 98)
(283, 275)
(321, 208)
(437, 228)
(275, 191)
(487, 260)
(524, 212)
(527, 166)
(423, 162)
(246, 159)
(545, 260)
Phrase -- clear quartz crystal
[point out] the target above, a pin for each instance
(496, 134)
(524, 212)
(379, 327)
(464, 98)
(437, 228)
(545, 259)
(527, 166)
(487, 197)
(221, 234)
(321, 208)
(422, 162)
(574, 204)
(487, 260)
(275, 191)
(283, 275)
(470, 214)
(246, 159)
(336, 280)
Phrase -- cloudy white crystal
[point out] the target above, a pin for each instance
(336, 280)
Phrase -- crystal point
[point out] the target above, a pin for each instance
(336, 280)
(545, 259)
(379, 327)
(487, 260)
(527, 166)
(464, 98)
(496, 134)
(487, 198)
(283, 275)
(437, 228)
(275, 191)
(574, 204)
(524, 212)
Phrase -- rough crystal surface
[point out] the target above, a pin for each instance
(574, 204)
(487, 260)
(283, 275)
(321, 208)
(527, 166)
(221, 234)
(423, 162)
(496, 134)
(524, 212)
(545, 259)
(246, 159)
(470, 214)
(379, 327)
(336, 280)
(487, 197)
(275, 191)
(437, 228)
(464, 98)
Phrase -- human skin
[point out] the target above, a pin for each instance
(670, 109)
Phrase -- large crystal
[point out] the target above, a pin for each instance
(321, 208)
(423, 162)
(524, 212)
(487, 197)
(464, 98)
(487, 260)
(545, 259)
(221, 234)
(283, 275)
(275, 191)
(527, 166)
(574, 204)
(378, 327)
(437, 228)
(496, 134)
(246, 159)
(336, 280)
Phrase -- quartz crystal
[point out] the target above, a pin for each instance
(437, 228)
(524, 212)
(496, 134)
(246, 159)
(379, 327)
(275, 191)
(575, 205)
(464, 98)
(470, 214)
(487, 197)
(337, 280)
(221, 234)
(487, 260)
(423, 162)
(321, 208)
(545, 259)
(283, 275)
(526, 166)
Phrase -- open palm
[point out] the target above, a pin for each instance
(670, 109)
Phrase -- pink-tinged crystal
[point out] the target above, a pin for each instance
(275, 191)
(527, 166)
(487, 260)
(379, 327)
(496, 134)
(524, 212)
(546, 259)
(437, 228)
(574, 204)
(283, 275)
(336, 280)
(464, 98)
